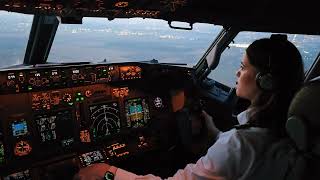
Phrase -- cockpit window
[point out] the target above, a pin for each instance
(135, 39)
(14, 34)
(308, 45)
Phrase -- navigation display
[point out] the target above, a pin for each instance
(105, 120)
(137, 112)
(19, 128)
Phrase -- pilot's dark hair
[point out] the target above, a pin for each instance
(282, 61)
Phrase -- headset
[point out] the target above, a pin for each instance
(264, 79)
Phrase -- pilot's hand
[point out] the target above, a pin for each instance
(94, 172)
(213, 131)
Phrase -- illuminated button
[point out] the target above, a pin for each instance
(88, 93)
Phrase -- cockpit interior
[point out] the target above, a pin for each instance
(81, 114)
(56, 118)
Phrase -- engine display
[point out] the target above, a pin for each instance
(105, 120)
(137, 112)
(47, 128)
(19, 128)
(55, 127)
(90, 157)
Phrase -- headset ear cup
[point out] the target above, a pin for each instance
(264, 81)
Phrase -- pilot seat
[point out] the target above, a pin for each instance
(296, 157)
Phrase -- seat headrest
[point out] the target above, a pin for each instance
(304, 115)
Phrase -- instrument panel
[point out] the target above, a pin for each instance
(35, 79)
(81, 114)
(103, 8)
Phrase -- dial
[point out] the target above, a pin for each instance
(158, 102)
(67, 98)
(22, 148)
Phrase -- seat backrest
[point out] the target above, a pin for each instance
(297, 156)
(303, 128)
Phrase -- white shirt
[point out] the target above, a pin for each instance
(233, 156)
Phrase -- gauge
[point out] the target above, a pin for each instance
(105, 120)
(22, 148)
(67, 98)
(158, 102)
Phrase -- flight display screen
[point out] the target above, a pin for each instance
(90, 157)
(105, 120)
(19, 128)
(137, 112)
(53, 128)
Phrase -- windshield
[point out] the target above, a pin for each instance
(135, 39)
(308, 46)
(14, 34)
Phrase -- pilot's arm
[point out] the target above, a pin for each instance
(229, 158)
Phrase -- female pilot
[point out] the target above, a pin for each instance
(271, 72)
